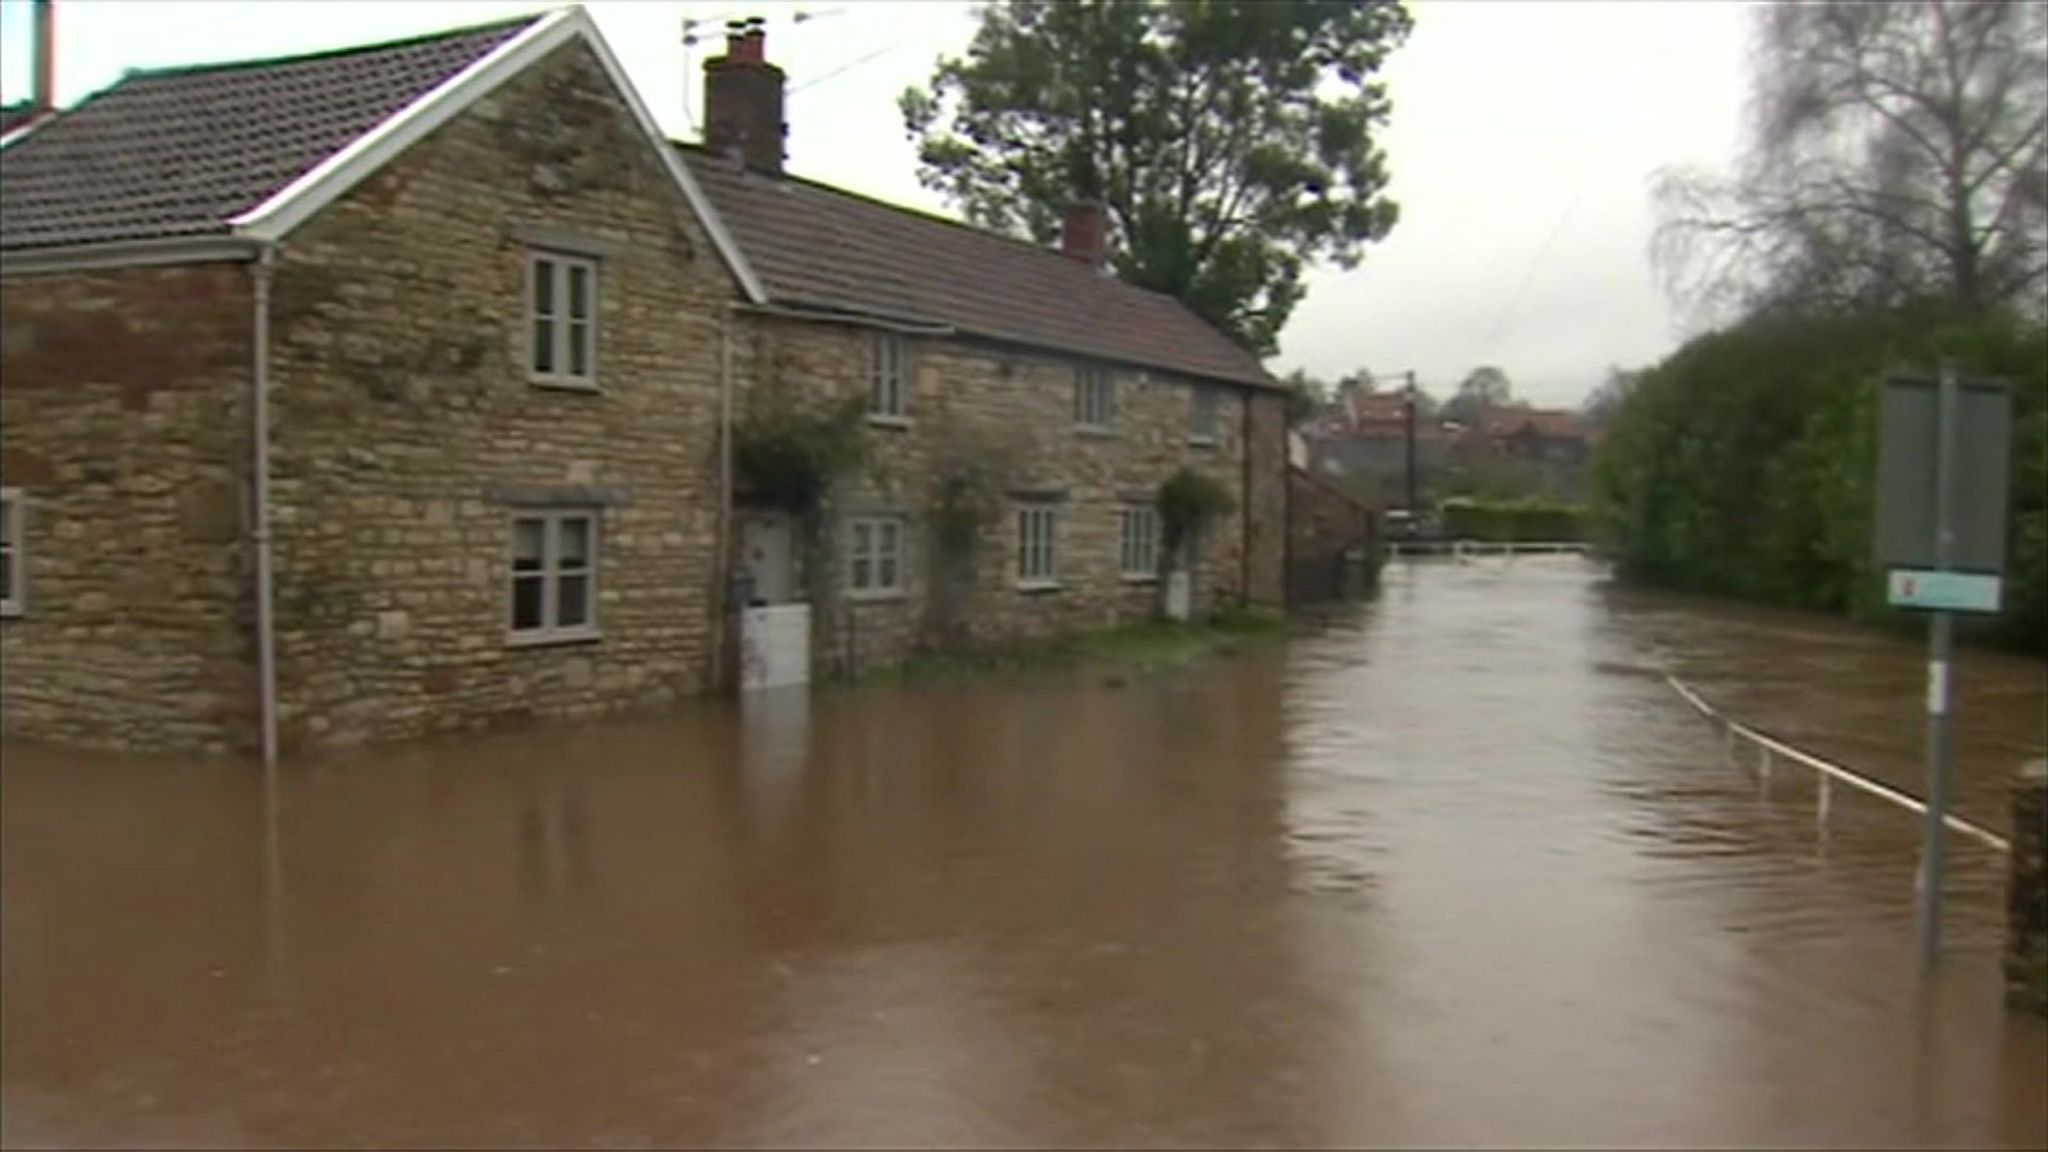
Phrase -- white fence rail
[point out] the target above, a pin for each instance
(1830, 773)
(1459, 549)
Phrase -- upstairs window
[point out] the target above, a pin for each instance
(1094, 397)
(1205, 422)
(888, 397)
(562, 308)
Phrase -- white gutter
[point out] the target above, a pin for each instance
(850, 319)
(259, 415)
(128, 254)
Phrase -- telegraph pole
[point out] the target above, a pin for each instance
(1940, 642)
(1412, 498)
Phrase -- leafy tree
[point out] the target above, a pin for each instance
(1605, 401)
(1233, 141)
(1483, 388)
(1361, 381)
(1306, 396)
(1898, 151)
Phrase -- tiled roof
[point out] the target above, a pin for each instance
(1552, 423)
(181, 152)
(820, 247)
(1379, 407)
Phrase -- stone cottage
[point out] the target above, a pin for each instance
(393, 390)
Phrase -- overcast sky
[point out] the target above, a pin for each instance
(1523, 138)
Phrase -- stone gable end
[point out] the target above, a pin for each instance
(409, 434)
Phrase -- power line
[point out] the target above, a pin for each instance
(1515, 298)
(847, 67)
(695, 32)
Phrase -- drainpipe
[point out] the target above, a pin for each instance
(1244, 558)
(259, 415)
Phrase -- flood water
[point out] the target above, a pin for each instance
(1455, 868)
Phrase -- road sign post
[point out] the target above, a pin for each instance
(1941, 535)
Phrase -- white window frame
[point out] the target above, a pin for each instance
(1205, 414)
(550, 575)
(864, 545)
(888, 378)
(13, 540)
(1094, 398)
(1038, 524)
(559, 320)
(1138, 543)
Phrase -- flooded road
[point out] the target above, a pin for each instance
(1457, 868)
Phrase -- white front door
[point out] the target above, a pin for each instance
(768, 551)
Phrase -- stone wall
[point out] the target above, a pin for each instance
(1002, 419)
(1322, 524)
(2026, 944)
(123, 423)
(408, 431)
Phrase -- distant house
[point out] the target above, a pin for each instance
(1557, 436)
(385, 391)
(1537, 452)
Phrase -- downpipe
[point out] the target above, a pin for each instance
(259, 414)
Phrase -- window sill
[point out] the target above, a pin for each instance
(1039, 587)
(551, 639)
(1131, 578)
(1202, 442)
(563, 384)
(11, 612)
(880, 420)
(878, 596)
(1097, 432)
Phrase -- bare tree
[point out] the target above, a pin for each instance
(1897, 150)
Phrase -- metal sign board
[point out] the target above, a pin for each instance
(1906, 460)
(1930, 590)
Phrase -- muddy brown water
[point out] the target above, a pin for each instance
(1456, 868)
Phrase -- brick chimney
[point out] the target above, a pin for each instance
(1084, 234)
(43, 63)
(743, 98)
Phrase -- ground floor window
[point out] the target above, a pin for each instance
(13, 559)
(1036, 529)
(875, 555)
(1138, 555)
(554, 575)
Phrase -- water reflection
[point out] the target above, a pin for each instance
(1453, 869)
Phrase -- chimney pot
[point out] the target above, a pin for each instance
(44, 65)
(1084, 233)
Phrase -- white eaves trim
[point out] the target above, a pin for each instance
(21, 130)
(291, 206)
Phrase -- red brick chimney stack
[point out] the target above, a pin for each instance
(1084, 234)
(743, 96)
(44, 64)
